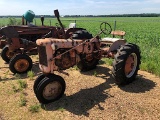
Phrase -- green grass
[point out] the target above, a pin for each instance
(22, 84)
(61, 109)
(95, 73)
(30, 74)
(143, 31)
(34, 108)
(23, 100)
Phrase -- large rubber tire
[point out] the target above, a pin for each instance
(82, 34)
(20, 63)
(6, 56)
(85, 65)
(47, 85)
(37, 81)
(126, 64)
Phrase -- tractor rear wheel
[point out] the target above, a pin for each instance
(20, 63)
(86, 65)
(91, 62)
(126, 64)
(50, 89)
(6, 55)
(82, 34)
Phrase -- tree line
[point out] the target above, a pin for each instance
(118, 15)
(114, 15)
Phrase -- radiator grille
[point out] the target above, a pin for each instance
(42, 55)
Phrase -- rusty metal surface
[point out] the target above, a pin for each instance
(2, 43)
(24, 37)
(9, 32)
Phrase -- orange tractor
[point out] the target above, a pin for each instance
(79, 47)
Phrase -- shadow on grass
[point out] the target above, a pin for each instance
(84, 100)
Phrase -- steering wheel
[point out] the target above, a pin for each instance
(105, 28)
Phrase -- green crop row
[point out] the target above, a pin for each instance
(143, 31)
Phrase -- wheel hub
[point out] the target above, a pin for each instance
(89, 58)
(52, 90)
(21, 65)
(130, 65)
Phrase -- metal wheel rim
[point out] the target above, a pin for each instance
(52, 90)
(131, 65)
(21, 65)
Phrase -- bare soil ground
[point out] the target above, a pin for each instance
(91, 95)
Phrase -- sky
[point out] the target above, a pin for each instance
(79, 7)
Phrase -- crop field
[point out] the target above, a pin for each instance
(143, 31)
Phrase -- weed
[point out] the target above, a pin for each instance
(22, 84)
(61, 109)
(6, 74)
(95, 73)
(141, 109)
(22, 101)
(17, 76)
(75, 67)
(30, 74)
(14, 88)
(107, 61)
(34, 108)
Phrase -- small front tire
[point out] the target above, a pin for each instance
(20, 63)
(37, 81)
(50, 89)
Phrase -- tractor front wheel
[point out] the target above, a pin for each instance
(126, 64)
(6, 54)
(37, 81)
(50, 88)
(20, 63)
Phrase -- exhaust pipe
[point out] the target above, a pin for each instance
(56, 13)
(42, 20)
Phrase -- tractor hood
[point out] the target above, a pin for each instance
(63, 43)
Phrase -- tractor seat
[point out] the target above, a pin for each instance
(110, 39)
(118, 33)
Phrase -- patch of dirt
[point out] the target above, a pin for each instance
(87, 97)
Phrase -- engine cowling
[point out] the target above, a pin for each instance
(65, 59)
